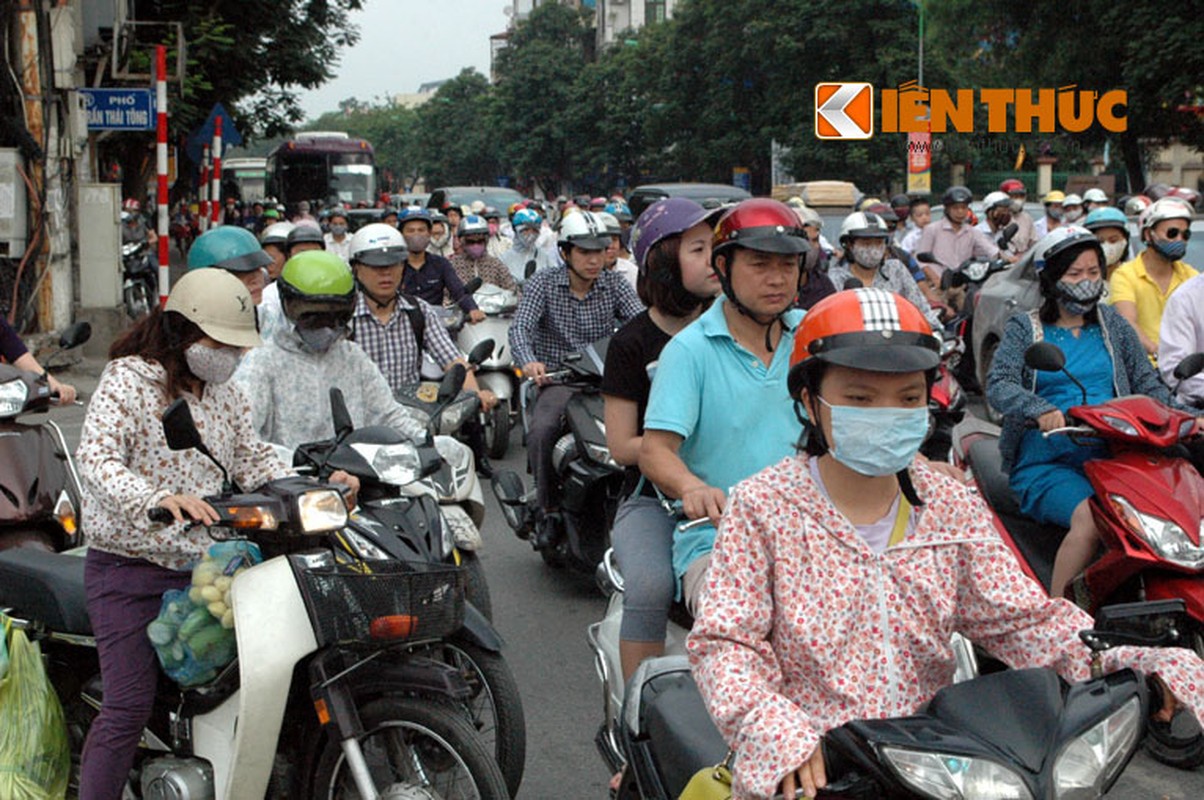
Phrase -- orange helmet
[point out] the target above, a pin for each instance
(759, 224)
(870, 329)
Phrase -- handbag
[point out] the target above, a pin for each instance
(711, 783)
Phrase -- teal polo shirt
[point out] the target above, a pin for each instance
(733, 412)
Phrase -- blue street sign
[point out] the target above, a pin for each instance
(119, 109)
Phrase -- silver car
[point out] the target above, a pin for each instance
(1016, 289)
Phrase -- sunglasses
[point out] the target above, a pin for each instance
(473, 241)
(1175, 233)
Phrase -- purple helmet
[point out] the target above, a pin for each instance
(664, 218)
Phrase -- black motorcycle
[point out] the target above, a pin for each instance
(139, 279)
(589, 481)
(1042, 738)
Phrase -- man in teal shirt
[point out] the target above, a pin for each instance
(716, 413)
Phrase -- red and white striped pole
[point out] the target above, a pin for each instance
(215, 192)
(161, 160)
(203, 222)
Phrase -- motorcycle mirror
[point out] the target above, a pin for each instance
(339, 415)
(1192, 365)
(947, 279)
(853, 283)
(1005, 238)
(1044, 357)
(529, 270)
(75, 335)
(472, 286)
(181, 433)
(926, 257)
(481, 351)
(453, 381)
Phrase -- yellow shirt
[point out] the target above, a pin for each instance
(1131, 282)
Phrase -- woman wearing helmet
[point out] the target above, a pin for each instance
(474, 260)
(1102, 351)
(672, 242)
(441, 236)
(186, 350)
(1140, 287)
(1112, 229)
(864, 237)
(237, 251)
(526, 256)
(842, 570)
(1053, 214)
(288, 380)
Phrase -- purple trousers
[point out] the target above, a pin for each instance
(124, 596)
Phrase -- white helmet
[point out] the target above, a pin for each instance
(1166, 208)
(1072, 200)
(378, 245)
(583, 229)
(1095, 195)
(809, 216)
(863, 224)
(996, 200)
(276, 233)
(609, 221)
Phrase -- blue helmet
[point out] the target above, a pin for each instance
(229, 247)
(620, 211)
(1109, 217)
(413, 212)
(524, 217)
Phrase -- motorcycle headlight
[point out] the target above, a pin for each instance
(361, 547)
(13, 395)
(321, 510)
(396, 464)
(1165, 537)
(1089, 763)
(457, 454)
(1118, 424)
(953, 777)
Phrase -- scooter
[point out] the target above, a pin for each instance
(1044, 738)
(497, 371)
(394, 522)
(589, 480)
(39, 487)
(315, 633)
(1148, 503)
(139, 279)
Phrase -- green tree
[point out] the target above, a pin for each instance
(456, 142)
(391, 129)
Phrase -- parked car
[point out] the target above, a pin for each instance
(1016, 289)
(499, 197)
(707, 194)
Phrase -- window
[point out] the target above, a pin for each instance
(654, 11)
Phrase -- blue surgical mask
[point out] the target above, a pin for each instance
(1170, 249)
(876, 441)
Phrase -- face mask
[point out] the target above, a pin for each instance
(863, 445)
(338, 230)
(868, 255)
(1017, 206)
(1170, 249)
(527, 238)
(1113, 252)
(1002, 220)
(212, 364)
(493, 228)
(1081, 297)
(319, 340)
(440, 241)
(417, 242)
(474, 250)
(1053, 213)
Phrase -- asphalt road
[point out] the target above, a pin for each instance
(543, 614)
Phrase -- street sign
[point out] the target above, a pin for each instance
(119, 109)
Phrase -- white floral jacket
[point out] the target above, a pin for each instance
(804, 627)
(126, 467)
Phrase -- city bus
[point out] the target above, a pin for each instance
(323, 166)
(245, 178)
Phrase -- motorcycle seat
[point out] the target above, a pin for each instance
(47, 587)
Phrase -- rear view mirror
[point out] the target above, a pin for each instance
(1044, 357)
(75, 335)
(472, 286)
(179, 428)
(453, 381)
(926, 257)
(339, 415)
(481, 351)
(1192, 365)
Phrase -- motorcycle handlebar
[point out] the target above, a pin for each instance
(160, 514)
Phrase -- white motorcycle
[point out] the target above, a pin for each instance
(329, 696)
(497, 372)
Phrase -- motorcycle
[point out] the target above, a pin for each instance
(1044, 737)
(140, 279)
(497, 371)
(399, 519)
(315, 633)
(39, 487)
(946, 401)
(1148, 503)
(589, 481)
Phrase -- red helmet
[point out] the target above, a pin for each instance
(870, 329)
(130, 204)
(1013, 186)
(761, 224)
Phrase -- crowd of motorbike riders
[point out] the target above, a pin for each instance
(764, 376)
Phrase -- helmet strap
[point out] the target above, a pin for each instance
(726, 284)
(376, 301)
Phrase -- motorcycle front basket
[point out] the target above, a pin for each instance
(343, 600)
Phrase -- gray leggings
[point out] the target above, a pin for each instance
(642, 537)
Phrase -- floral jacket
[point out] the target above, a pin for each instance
(804, 627)
(126, 467)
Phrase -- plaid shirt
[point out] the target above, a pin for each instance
(489, 268)
(392, 344)
(550, 322)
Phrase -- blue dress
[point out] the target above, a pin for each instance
(1048, 476)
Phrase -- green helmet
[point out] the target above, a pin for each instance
(317, 282)
(228, 247)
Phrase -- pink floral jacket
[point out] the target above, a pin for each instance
(804, 627)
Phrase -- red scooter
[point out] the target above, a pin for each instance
(1148, 506)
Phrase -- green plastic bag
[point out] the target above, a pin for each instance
(35, 758)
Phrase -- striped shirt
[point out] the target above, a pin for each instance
(392, 344)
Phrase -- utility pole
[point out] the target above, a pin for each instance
(31, 89)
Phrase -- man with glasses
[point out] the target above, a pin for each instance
(1140, 288)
